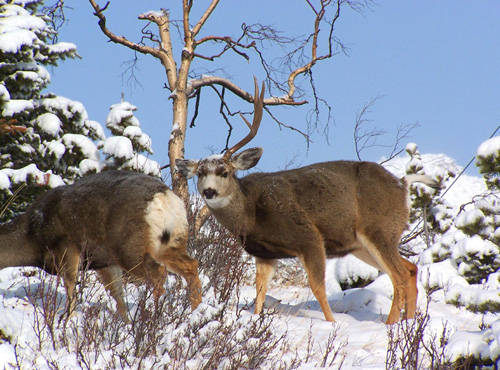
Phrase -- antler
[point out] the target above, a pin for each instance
(258, 104)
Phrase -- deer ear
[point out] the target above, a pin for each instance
(186, 167)
(247, 158)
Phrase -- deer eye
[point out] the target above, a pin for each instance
(224, 174)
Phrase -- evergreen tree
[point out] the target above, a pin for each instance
(470, 240)
(425, 199)
(123, 149)
(488, 161)
(58, 143)
(482, 216)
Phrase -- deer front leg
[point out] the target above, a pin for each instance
(314, 261)
(265, 271)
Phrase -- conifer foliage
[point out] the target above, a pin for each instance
(123, 149)
(48, 140)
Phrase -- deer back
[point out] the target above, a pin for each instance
(110, 216)
(334, 199)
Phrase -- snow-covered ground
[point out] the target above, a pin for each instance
(359, 334)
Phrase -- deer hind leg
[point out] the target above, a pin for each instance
(265, 271)
(411, 298)
(314, 261)
(111, 278)
(176, 260)
(403, 274)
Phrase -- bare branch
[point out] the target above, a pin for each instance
(99, 13)
(363, 138)
(402, 133)
(214, 80)
(221, 111)
(196, 108)
(314, 47)
(204, 17)
(165, 52)
(57, 17)
(282, 124)
(230, 45)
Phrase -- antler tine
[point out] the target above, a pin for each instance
(258, 104)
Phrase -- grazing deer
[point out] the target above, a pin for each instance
(315, 212)
(114, 221)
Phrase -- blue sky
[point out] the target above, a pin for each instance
(435, 63)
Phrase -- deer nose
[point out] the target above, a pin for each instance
(209, 193)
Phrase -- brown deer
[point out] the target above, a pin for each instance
(113, 222)
(315, 212)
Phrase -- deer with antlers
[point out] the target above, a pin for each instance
(316, 212)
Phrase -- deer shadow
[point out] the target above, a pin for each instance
(360, 303)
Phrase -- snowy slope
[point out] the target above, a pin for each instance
(359, 334)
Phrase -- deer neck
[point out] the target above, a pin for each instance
(238, 214)
(16, 248)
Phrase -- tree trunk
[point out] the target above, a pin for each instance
(176, 143)
(180, 109)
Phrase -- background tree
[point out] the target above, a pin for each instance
(281, 76)
(56, 142)
(123, 149)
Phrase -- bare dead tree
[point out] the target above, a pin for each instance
(281, 76)
(366, 137)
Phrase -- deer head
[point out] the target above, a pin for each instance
(217, 173)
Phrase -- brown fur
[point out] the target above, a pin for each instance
(316, 212)
(100, 220)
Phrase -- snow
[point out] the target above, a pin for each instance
(4, 93)
(120, 112)
(4, 181)
(17, 28)
(144, 164)
(489, 148)
(96, 128)
(15, 106)
(119, 147)
(89, 165)
(152, 13)
(9, 176)
(68, 108)
(411, 148)
(56, 148)
(441, 274)
(132, 131)
(49, 123)
(15, 40)
(82, 143)
(62, 47)
(360, 312)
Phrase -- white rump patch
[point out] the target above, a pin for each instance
(166, 212)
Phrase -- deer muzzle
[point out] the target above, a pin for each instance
(209, 193)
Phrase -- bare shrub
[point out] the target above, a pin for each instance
(221, 259)
(289, 272)
(162, 333)
(411, 346)
(405, 342)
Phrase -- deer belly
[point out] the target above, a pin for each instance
(262, 251)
